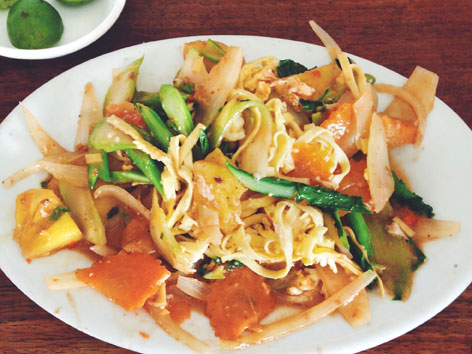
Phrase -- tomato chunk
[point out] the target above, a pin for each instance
(128, 112)
(128, 279)
(237, 302)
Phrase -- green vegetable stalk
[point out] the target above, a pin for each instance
(318, 196)
(176, 109)
(403, 196)
(124, 84)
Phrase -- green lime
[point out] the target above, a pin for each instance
(7, 3)
(34, 24)
(75, 2)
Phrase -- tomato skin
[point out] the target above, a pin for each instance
(128, 112)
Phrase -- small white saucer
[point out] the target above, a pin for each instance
(82, 26)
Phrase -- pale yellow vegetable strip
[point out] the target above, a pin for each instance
(45, 144)
(64, 281)
(190, 142)
(184, 204)
(76, 175)
(163, 319)
(123, 196)
(349, 75)
(141, 144)
(328, 41)
(413, 102)
(305, 318)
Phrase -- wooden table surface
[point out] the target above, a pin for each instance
(398, 34)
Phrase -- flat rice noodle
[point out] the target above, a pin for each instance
(330, 44)
(379, 174)
(255, 157)
(414, 99)
(163, 319)
(90, 113)
(305, 318)
(75, 175)
(212, 93)
(422, 84)
(357, 312)
(431, 229)
(45, 144)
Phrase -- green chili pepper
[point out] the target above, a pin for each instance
(176, 109)
(120, 177)
(148, 166)
(159, 130)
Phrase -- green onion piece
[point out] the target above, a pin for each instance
(370, 78)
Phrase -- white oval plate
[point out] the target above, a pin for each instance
(443, 158)
(83, 25)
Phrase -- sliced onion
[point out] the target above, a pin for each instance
(430, 229)
(75, 175)
(123, 196)
(192, 287)
(90, 113)
(215, 89)
(193, 69)
(46, 144)
(163, 319)
(357, 312)
(379, 174)
(305, 318)
(328, 41)
(64, 281)
(363, 109)
(103, 250)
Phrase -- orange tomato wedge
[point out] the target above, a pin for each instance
(128, 279)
